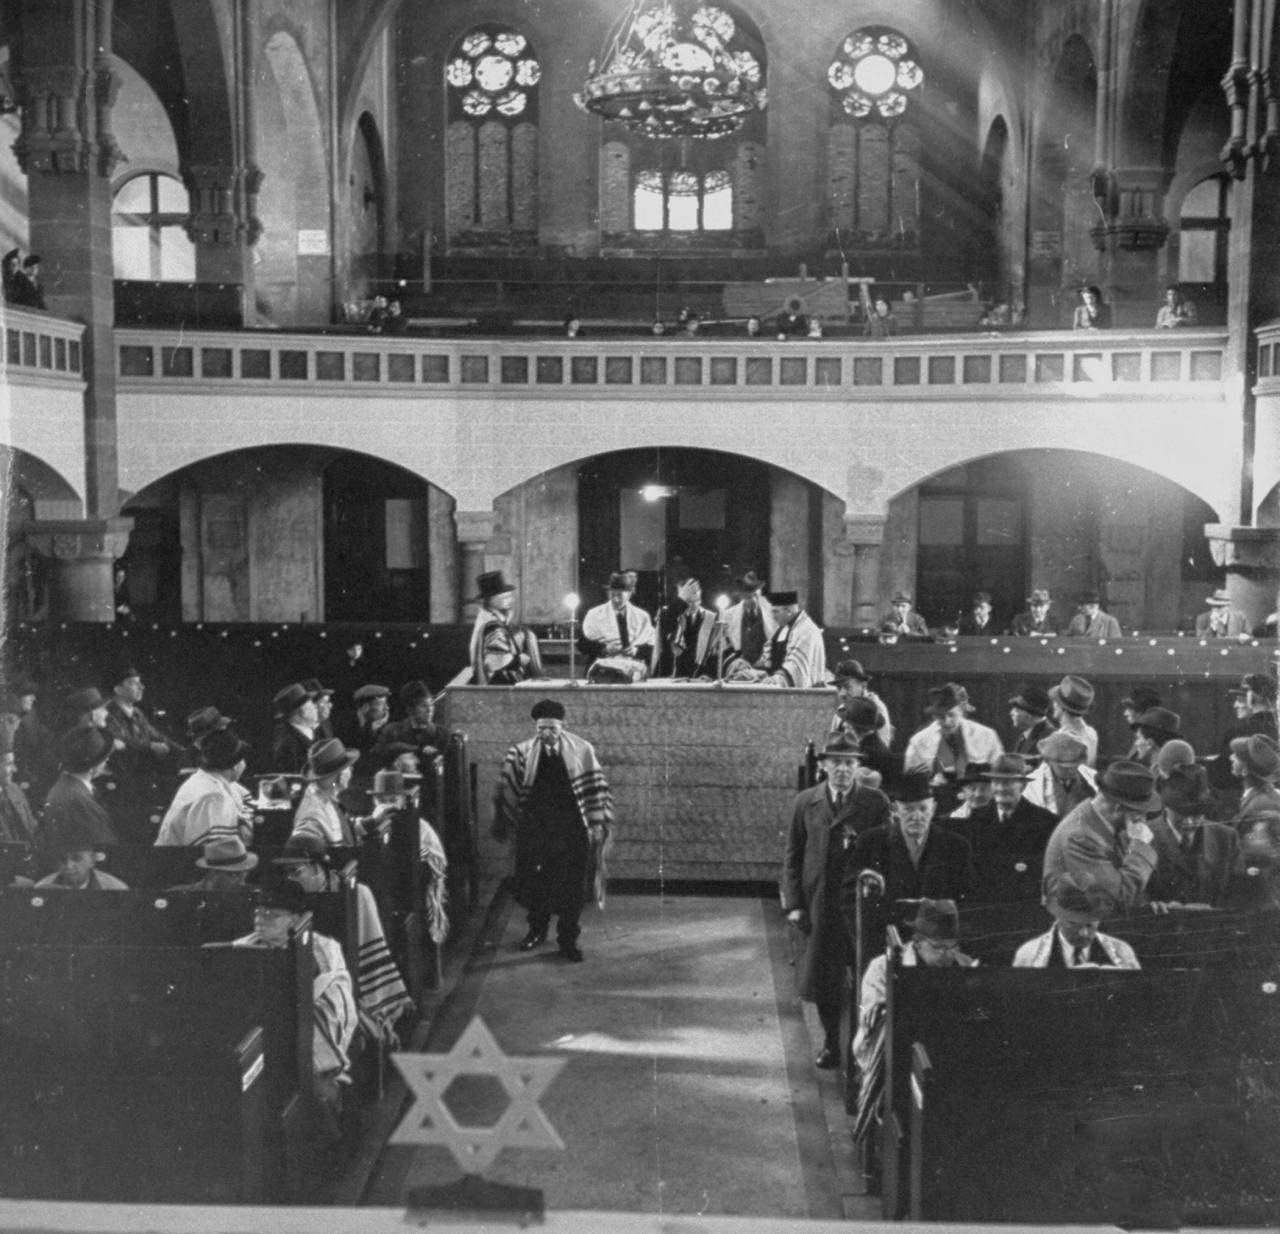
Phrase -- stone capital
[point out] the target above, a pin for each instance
(475, 527)
(1244, 548)
(80, 539)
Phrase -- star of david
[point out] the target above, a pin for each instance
(521, 1125)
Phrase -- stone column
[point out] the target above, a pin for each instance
(66, 86)
(1129, 241)
(865, 534)
(220, 228)
(475, 530)
(1251, 556)
(82, 554)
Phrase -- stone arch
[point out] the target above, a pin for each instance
(53, 494)
(30, 490)
(205, 124)
(294, 274)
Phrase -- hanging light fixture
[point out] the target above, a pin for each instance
(675, 68)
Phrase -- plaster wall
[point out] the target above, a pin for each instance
(535, 543)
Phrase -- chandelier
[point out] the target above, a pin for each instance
(675, 68)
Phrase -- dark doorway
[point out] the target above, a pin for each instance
(376, 566)
(658, 511)
(152, 564)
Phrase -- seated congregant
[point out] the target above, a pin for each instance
(1074, 940)
(1029, 715)
(296, 717)
(1223, 619)
(1152, 729)
(1063, 779)
(83, 753)
(684, 633)
(1195, 858)
(903, 620)
(792, 322)
(1255, 762)
(977, 621)
(1090, 620)
(321, 812)
(360, 731)
(951, 740)
(206, 806)
(417, 731)
(617, 627)
(224, 863)
(78, 855)
(502, 651)
(1037, 620)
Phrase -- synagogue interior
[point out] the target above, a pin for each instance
(786, 494)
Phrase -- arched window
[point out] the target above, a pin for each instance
(1204, 227)
(654, 189)
(492, 141)
(873, 155)
(149, 242)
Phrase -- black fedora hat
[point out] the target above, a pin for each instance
(617, 582)
(862, 713)
(1158, 722)
(850, 670)
(1142, 698)
(327, 758)
(937, 919)
(88, 699)
(492, 583)
(1033, 699)
(1130, 784)
(205, 721)
(83, 748)
(944, 698)
(840, 746)
(911, 786)
(288, 700)
(1186, 790)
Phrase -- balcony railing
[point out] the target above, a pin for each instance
(42, 347)
(982, 366)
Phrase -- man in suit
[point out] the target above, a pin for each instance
(1029, 715)
(1036, 621)
(1222, 620)
(903, 620)
(373, 710)
(825, 821)
(914, 858)
(1008, 836)
(1077, 908)
(617, 627)
(1090, 621)
(683, 642)
(296, 718)
(1106, 841)
(749, 624)
(1195, 858)
(145, 757)
(977, 622)
(71, 804)
(1071, 700)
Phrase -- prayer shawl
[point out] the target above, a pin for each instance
(733, 621)
(520, 769)
(205, 807)
(702, 645)
(981, 745)
(600, 625)
(496, 646)
(433, 856)
(333, 1009)
(318, 816)
(383, 997)
(798, 653)
(1040, 788)
(1036, 952)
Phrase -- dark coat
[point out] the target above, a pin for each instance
(288, 749)
(1007, 856)
(687, 664)
(1028, 741)
(1024, 625)
(1203, 874)
(70, 803)
(814, 869)
(968, 627)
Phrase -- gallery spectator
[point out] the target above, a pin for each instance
(1176, 310)
(1036, 621)
(1091, 313)
(1090, 621)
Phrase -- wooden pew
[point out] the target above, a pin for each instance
(1059, 1095)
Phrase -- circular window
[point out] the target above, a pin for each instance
(491, 73)
(875, 73)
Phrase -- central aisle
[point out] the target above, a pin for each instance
(689, 1086)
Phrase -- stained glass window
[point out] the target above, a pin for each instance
(875, 73)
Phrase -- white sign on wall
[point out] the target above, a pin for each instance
(313, 243)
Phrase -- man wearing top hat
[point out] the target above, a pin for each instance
(977, 622)
(83, 754)
(206, 806)
(1222, 620)
(749, 623)
(825, 821)
(852, 681)
(1008, 835)
(1077, 907)
(1071, 700)
(503, 652)
(1036, 622)
(1063, 779)
(1195, 858)
(296, 717)
(1090, 621)
(1106, 841)
(617, 627)
(1029, 715)
(794, 656)
(373, 711)
(951, 741)
(903, 620)
(554, 800)
(225, 863)
(684, 636)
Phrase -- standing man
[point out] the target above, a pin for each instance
(617, 627)
(683, 644)
(33, 743)
(554, 798)
(1090, 621)
(1029, 715)
(1106, 841)
(1196, 858)
(143, 753)
(825, 821)
(17, 820)
(1222, 620)
(750, 623)
(503, 652)
(859, 720)
(795, 655)
(1036, 621)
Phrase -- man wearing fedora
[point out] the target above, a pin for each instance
(1151, 730)
(503, 652)
(144, 749)
(684, 635)
(852, 682)
(977, 622)
(903, 620)
(794, 655)
(825, 821)
(296, 718)
(554, 800)
(1071, 700)
(913, 857)
(749, 623)
(206, 806)
(1063, 779)
(1029, 715)
(1106, 841)
(617, 627)
(324, 706)
(1254, 701)
(226, 864)
(1222, 619)
(950, 741)
(1090, 621)
(1255, 763)
(1196, 858)
(83, 755)
(973, 791)
(78, 855)
(861, 721)
(1074, 940)
(321, 812)
(204, 722)
(1008, 835)
(1036, 622)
